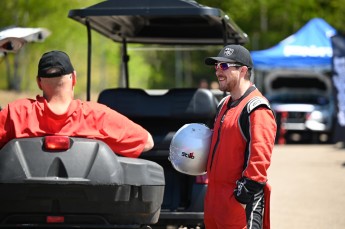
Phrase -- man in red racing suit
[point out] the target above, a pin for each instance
(241, 147)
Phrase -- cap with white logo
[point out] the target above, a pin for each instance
(232, 54)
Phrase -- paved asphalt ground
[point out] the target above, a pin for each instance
(308, 187)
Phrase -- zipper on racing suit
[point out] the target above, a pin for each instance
(229, 106)
(218, 136)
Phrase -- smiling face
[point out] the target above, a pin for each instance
(229, 79)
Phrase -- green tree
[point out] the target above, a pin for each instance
(269, 21)
(265, 21)
(66, 35)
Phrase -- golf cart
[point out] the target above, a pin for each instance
(162, 22)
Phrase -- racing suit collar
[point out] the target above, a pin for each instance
(234, 103)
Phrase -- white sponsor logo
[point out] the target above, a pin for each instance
(228, 51)
(307, 51)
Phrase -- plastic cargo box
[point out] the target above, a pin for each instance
(85, 185)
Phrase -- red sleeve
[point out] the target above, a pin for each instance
(125, 137)
(5, 130)
(262, 136)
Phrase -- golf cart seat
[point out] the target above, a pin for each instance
(162, 115)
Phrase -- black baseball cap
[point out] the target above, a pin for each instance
(54, 59)
(232, 54)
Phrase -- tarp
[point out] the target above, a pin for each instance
(309, 48)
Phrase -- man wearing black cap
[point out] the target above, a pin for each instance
(57, 112)
(241, 147)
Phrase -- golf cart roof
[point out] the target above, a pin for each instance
(160, 22)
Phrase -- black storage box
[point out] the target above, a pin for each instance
(85, 185)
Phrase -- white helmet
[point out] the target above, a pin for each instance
(189, 149)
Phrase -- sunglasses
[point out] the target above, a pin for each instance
(225, 66)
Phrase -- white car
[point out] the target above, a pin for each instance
(303, 103)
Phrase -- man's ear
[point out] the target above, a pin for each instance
(38, 80)
(244, 68)
(74, 78)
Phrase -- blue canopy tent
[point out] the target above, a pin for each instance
(308, 49)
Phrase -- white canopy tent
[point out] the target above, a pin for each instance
(12, 39)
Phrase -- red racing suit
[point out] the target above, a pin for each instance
(240, 154)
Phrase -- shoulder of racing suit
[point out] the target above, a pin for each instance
(256, 102)
(251, 106)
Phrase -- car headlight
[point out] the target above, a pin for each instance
(317, 120)
(316, 116)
